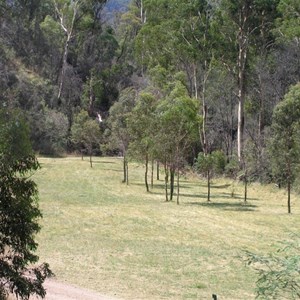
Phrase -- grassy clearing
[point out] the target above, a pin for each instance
(121, 241)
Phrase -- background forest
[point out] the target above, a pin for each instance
(158, 80)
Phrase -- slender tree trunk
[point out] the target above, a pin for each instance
(231, 125)
(166, 180)
(91, 160)
(172, 180)
(63, 68)
(204, 110)
(146, 172)
(178, 187)
(246, 187)
(152, 173)
(143, 13)
(157, 170)
(69, 33)
(241, 120)
(289, 187)
(195, 81)
(127, 173)
(208, 186)
(124, 169)
(289, 197)
(91, 97)
(242, 58)
(143, 18)
(261, 109)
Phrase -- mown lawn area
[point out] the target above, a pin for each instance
(103, 235)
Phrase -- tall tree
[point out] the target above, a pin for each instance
(285, 142)
(182, 37)
(177, 126)
(119, 135)
(246, 17)
(141, 125)
(72, 16)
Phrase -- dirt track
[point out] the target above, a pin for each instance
(61, 291)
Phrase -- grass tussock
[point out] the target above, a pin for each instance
(101, 234)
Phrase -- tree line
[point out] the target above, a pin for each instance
(174, 82)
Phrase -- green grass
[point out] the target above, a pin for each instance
(121, 241)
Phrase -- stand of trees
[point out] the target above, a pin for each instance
(170, 79)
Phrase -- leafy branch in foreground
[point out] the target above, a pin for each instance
(279, 272)
(19, 212)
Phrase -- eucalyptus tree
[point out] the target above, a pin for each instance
(182, 36)
(73, 16)
(86, 133)
(246, 24)
(141, 125)
(210, 164)
(197, 41)
(285, 143)
(177, 127)
(118, 131)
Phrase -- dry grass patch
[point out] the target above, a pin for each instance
(119, 240)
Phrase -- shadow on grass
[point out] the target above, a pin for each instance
(162, 186)
(226, 206)
(228, 195)
(103, 162)
(113, 170)
(223, 186)
(193, 182)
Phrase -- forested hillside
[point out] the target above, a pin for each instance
(160, 80)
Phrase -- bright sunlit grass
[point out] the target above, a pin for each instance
(121, 241)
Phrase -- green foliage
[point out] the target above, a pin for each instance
(52, 31)
(177, 121)
(284, 145)
(56, 131)
(117, 121)
(232, 167)
(210, 164)
(85, 132)
(279, 272)
(257, 161)
(141, 126)
(214, 162)
(288, 25)
(19, 212)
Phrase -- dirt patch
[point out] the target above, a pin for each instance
(61, 291)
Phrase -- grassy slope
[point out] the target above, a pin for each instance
(103, 235)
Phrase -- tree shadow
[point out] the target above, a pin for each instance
(228, 195)
(191, 181)
(223, 186)
(236, 206)
(103, 162)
